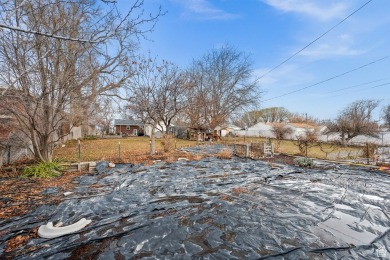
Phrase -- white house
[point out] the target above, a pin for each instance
(159, 131)
(266, 129)
(226, 130)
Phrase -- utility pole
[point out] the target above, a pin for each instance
(306, 135)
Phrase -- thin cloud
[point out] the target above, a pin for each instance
(202, 9)
(288, 76)
(340, 46)
(321, 10)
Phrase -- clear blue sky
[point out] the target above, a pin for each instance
(271, 31)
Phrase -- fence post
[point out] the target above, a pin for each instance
(119, 151)
(247, 154)
(79, 150)
(9, 155)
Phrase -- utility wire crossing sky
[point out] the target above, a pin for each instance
(303, 51)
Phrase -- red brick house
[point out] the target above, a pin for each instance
(128, 127)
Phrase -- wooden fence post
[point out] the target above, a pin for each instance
(247, 154)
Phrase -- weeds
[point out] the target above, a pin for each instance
(304, 162)
(168, 143)
(225, 154)
(43, 170)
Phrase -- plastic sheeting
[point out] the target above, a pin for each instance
(214, 208)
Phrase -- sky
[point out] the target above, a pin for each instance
(349, 63)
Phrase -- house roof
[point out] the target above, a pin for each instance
(303, 125)
(127, 122)
(277, 124)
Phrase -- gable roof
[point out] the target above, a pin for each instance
(304, 125)
(127, 122)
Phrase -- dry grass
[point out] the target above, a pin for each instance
(136, 149)
(170, 159)
(289, 147)
(132, 149)
(225, 154)
(195, 157)
(168, 143)
(240, 190)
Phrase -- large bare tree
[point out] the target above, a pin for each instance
(156, 93)
(221, 83)
(386, 116)
(355, 119)
(57, 57)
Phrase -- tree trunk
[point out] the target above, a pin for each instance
(1, 157)
(153, 140)
(343, 140)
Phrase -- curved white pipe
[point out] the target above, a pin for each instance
(49, 231)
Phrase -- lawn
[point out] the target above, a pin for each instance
(108, 149)
(134, 149)
(290, 147)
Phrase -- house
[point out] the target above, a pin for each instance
(128, 127)
(300, 129)
(258, 130)
(226, 130)
(160, 129)
(266, 129)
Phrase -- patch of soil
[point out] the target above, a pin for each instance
(21, 195)
(280, 159)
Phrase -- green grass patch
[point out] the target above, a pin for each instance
(43, 170)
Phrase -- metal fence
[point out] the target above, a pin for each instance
(11, 154)
(254, 150)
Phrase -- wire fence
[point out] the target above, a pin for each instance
(11, 154)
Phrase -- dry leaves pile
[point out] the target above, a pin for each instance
(20, 195)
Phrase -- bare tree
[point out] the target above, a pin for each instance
(104, 115)
(281, 131)
(274, 114)
(221, 83)
(302, 118)
(53, 78)
(328, 147)
(156, 93)
(386, 116)
(306, 141)
(354, 120)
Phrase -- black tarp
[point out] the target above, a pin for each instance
(213, 208)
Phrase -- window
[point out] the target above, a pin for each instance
(135, 132)
(128, 127)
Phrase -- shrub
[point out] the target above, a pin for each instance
(91, 137)
(168, 143)
(196, 157)
(225, 154)
(43, 170)
(304, 162)
(171, 159)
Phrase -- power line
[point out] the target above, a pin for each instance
(315, 40)
(354, 86)
(331, 78)
(377, 86)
